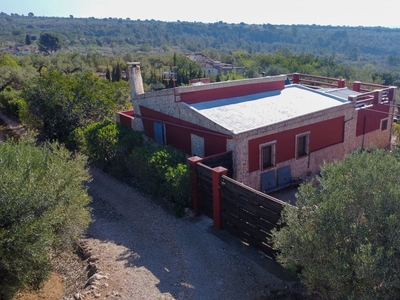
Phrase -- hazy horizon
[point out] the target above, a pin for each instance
(306, 12)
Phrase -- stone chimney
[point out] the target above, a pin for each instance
(135, 79)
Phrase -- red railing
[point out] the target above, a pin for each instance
(370, 92)
(314, 81)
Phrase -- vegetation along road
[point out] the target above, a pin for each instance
(143, 252)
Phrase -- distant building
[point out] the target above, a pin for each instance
(276, 127)
(210, 66)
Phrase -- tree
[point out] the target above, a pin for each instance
(104, 141)
(58, 104)
(116, 73)
(49, 42)
(28, 39)
(30, 15)
(43, 208)
(7, 60)
(343, 236)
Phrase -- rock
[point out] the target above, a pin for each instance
(97, 276)
(77, 296)
(93, 259)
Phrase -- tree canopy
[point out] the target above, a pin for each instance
(43, 207)
(49, 42)
(343, 236)
(58, 104)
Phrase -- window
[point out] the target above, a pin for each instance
(159, 133)
(384, 124)
(302, 141)
(267, 155)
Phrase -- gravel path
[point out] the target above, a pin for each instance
(146, 253)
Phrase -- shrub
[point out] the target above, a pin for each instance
(105, 142)
(43, 207)
(162, 170)
(11, 100)
(343, 236)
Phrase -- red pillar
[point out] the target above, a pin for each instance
(341, 83)
(296, 78)
(356, 86)
(217, 209)
(194, 194)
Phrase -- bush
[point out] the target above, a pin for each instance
(105, 142)
(43, 207)
(343, 236)
(59, 104)
(11, 100)
(162, 170)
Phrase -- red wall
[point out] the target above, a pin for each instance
(231, 91)
(179, 137)
(125, 117)
(322, 134)
(372, 116)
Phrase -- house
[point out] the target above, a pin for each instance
(210, 66)
(277, 128)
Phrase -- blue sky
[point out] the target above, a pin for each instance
(339, 12)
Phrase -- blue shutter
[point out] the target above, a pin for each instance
(268, 181)
(284, 175)
(159, 134)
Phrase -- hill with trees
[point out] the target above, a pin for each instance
(356, 45)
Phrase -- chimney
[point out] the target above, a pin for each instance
(135, 79)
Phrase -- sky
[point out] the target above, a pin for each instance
(335, 13)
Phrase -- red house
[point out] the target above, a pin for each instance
(276, 127)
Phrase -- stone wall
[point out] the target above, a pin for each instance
(165, 102)
(299, 167)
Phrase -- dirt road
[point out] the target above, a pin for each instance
(146, 253)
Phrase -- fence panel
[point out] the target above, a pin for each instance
(204, 185)
(249, 214)
(220, 160)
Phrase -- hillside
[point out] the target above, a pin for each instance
(355, 45)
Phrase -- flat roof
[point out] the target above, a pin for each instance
(245, 113)
(340, 92)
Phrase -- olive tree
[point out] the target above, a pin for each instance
(43, 208)
(58, 104)
(343, 235)
(50, 42)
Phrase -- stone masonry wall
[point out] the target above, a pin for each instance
(164, 101)
(300, 166)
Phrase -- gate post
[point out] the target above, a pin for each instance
(194, 193)
(217, 209)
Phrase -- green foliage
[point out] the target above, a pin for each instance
(396, 131)
(7, 60)
(50, 42)
(104, 141)
(28, 40)
(43, 207)
(58, 104)
(177, 178)
(343, 236)
(101, 141)
(11, 100)
(117, 73)
(162, 170)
